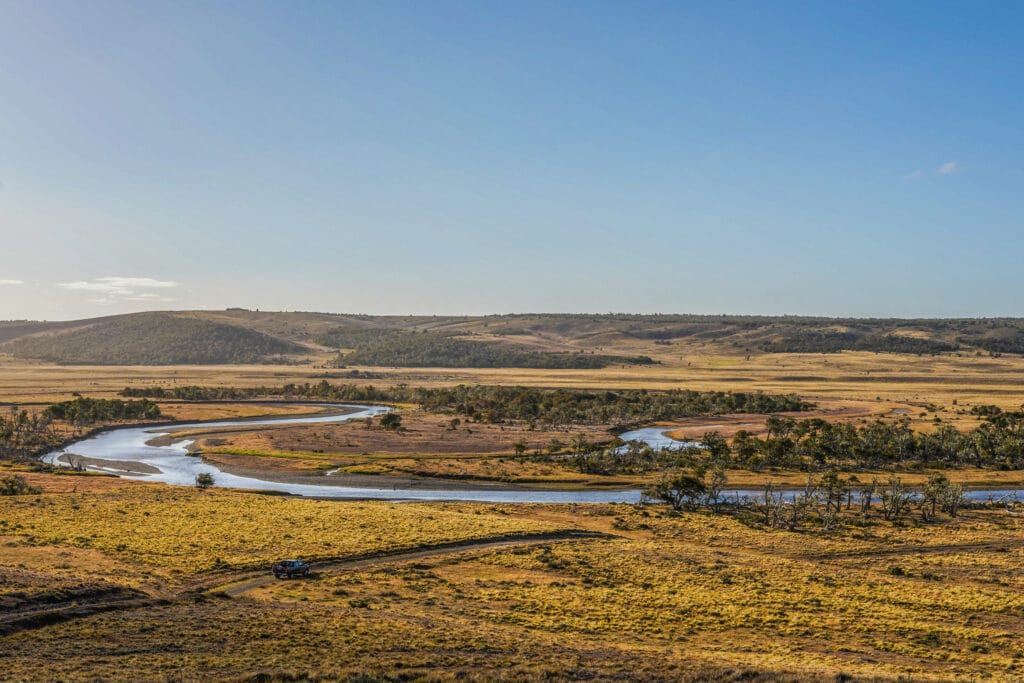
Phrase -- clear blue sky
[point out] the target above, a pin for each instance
(837, 158)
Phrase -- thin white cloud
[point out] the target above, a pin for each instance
(12, 282)
(118, 284)
(115, 289)
(914, 175)
(947, 168)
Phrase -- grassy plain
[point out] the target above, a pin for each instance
(662, 597)
(659, 596)
(921, 381)
(848, 386)
(179, 531)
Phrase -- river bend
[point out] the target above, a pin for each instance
(122, 450)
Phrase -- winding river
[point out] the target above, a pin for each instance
(130, 452)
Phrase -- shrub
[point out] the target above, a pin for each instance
(391, 421)
(16, 485)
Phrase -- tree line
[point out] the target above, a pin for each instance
(400, 348)
(87, 411)
(817, 445)
(801, 444)
(553, 407)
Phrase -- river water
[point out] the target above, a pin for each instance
(172, 464)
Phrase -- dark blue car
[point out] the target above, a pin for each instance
(291, 568)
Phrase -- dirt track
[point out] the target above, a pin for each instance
(243, 582)
(237, 588)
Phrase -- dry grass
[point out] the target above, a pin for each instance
(176, 532)
(421, 433)
(919, 380)
(669, 597)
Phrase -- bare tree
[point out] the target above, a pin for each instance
(715, 484)
(895, 499)
(953, 499)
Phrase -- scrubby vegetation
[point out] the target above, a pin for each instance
(823, 503)
(794, 334)
(498, 403)
(87, 411)
(803, 444)
(151, 339)
(538, 341)
(815, 445)
(1007, 338)
(827, 341)
(25, 434)
(406, 349)
(15, 485)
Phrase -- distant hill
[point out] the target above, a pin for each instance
(151, 339)
(519, 340)
(19, 328)
(444, 350)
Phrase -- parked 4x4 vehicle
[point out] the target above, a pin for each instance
(291, 568)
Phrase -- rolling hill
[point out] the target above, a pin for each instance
(519, 340)
(151, 339)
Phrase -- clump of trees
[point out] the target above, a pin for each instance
(827, 498)
(23, 433)
(816, 444)
(688, 488)
(633, 457)
(87, 411)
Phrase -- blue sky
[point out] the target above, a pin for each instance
(480, 157)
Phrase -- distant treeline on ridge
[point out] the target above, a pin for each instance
(397, 348)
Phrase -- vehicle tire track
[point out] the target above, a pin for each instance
(27, 619)
(238, 588)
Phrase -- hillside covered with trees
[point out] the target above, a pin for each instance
(443, 350)
(151, 339)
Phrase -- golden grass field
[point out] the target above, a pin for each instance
(919, 380)
(125, 569)
(658, 597)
